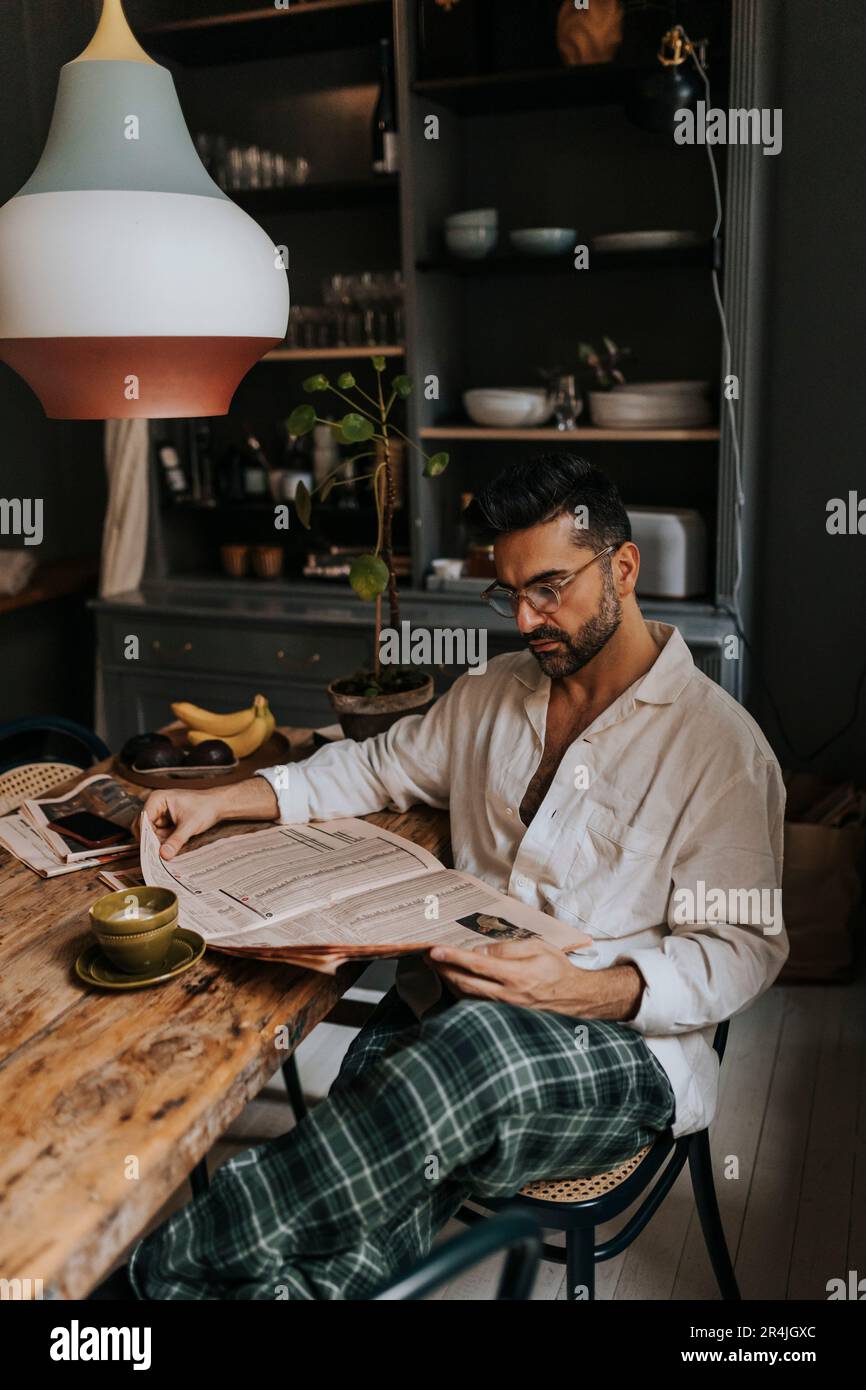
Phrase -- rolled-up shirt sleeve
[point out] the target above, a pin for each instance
(407, 764)
(727, 940)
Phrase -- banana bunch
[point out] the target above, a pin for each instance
(244, 731)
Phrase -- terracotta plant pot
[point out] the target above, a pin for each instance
(235, 560)
(268, 561)
(362, 716)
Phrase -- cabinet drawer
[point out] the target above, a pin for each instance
(303, 655)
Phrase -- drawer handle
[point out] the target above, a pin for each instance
(307, 661)
(156, 645)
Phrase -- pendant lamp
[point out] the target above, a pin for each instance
(130, 284)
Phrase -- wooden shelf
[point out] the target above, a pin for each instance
(303, 197)
(247, 35)
(536, 89)
(52, 582)
(682, 258)
(330, 353)
(597, 436)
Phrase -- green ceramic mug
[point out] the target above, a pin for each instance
(135, 926)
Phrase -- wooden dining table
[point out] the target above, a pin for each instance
(108, 1099)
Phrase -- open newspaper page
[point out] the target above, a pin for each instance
(102, 796)
(318, 895)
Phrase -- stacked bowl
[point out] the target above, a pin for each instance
(472, 235)
(652, 405)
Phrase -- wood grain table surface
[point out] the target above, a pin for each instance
(97, 1086)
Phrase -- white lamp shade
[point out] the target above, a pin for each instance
(130, 285)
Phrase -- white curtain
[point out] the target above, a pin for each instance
(124, 533)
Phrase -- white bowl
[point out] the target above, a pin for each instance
(478, 217)
(447, 568)
(543, 241)
(689, 389)
(653, 410)
(507, 408)
(471, 243)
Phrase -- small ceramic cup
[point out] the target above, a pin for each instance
(135, 926)
(142, 953)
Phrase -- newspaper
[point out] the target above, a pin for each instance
(101, 796)
(318, 895)
(19, 837)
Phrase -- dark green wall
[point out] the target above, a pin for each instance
(46, 651)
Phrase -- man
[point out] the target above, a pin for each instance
(597, 775)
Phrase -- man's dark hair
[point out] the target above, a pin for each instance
(546, 486)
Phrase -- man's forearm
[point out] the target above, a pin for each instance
(617, 991)
(253, 799)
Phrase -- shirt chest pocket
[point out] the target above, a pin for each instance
(619, 881)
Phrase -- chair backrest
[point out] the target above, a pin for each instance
(36, 754)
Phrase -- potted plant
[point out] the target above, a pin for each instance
(372, 699)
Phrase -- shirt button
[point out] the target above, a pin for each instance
(523, 882)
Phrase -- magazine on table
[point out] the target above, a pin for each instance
(21, 839)
(100, 796)
(321, 894)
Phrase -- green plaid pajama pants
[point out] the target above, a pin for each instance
(474, 1100)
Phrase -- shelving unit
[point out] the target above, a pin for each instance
(327, 354)
(544, 89)
(584, 435)
(683, 258)
(266, 32)
(547, 146)
(336, 196)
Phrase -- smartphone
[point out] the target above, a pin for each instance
(93, 831)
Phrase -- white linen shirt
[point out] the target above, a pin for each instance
(671, 793)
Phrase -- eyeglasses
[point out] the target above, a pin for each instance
(543, 597)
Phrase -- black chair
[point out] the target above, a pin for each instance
(36, 754)
(578, 1205)
(514, 1231)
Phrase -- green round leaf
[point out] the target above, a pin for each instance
(378, 363)
(301, 420)
(403, 386)
(436, 464)
(303, 505)
(345, 381)
(368, 576)
(355, 428)
(316, 383)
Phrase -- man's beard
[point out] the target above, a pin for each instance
(577, 651)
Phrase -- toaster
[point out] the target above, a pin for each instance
(673, 551)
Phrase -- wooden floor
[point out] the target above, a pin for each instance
(789, 1150)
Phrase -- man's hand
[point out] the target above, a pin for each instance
(176, 816)
(539, 976)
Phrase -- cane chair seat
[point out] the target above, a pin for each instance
(31, 780)
(584, 1189)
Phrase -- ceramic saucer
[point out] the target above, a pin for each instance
(96, 969)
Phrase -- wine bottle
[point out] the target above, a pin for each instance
(385, 139)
